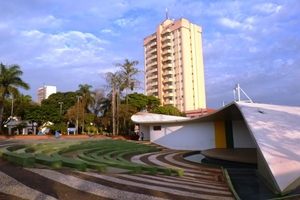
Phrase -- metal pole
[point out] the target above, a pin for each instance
(60, 103)
(78, 97)
(239, 92)
(12, 107)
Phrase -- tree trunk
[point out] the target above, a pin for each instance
(114, 110)
(118, 120)
(1, 112)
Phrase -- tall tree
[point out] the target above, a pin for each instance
(128, 73)
(19, 104)
(10, 81)
(87, 95)
(99, 97)
(113, 80)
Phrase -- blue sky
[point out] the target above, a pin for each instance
(66, 43)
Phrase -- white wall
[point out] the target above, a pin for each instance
(190, 136)
(241, 135)
(145, 129)
(49, 90)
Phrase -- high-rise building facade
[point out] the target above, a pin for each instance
(174, 70)
(44, 92)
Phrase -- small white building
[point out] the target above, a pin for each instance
(13, 122)
(273, 130)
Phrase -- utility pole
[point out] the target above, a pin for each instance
(12, 107)
(78, 97)
(60, 103)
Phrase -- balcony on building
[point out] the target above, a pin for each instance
(152, 84)
(166, 73)
(166, 31)
(167, 65)
(151, 51)
(167, 44)
(170, 102)
(169, 87)
(152, 90)
(167, 95)
(166, 38)
(151, 58)
(152, 64)
(151, 71)
(152, 77)
(167, 58)
(167, 80)
(166, 52)
(153, 44)
(152, 37)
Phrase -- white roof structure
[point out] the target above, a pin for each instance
(144, 117)
(275, 130)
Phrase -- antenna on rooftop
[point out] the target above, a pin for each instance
(239, 89)
(167, 16)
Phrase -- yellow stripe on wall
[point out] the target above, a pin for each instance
(220, 135)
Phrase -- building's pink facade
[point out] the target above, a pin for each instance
(174, 70)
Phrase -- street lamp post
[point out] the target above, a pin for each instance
(12, 107)
(60, 103)
(11, 116)
(78, 97)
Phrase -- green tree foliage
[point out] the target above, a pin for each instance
(67, 98)
(128, 74)
(10, 81)
(42, 114)
(87, 96)
(113, 82)
(20, 103)
(168, 110)
(142, 102)
(99, 97)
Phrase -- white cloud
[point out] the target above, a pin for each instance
(234, 24)
(122, 22)
(268, 7)
(106, 31)
(45, 21)
(129, 22)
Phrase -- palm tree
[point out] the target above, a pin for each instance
(20, 103)
(87, 98)
(87, 95)
(9, 82)
(129, 81)
(128, 73)
(113, 81)
(99, 96)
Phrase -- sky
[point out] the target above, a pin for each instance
(255, 44)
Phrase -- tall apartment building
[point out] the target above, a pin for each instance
(44, 92)
(174, 70)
